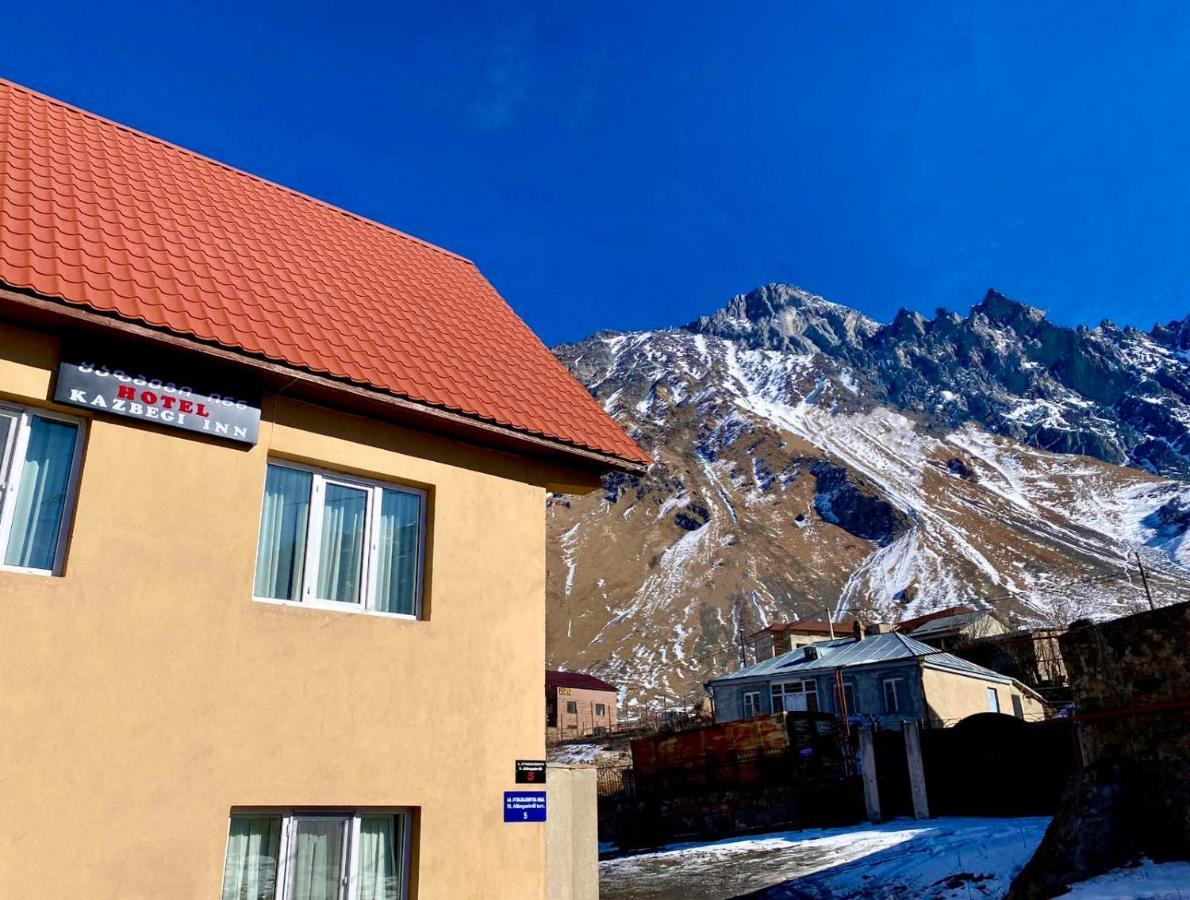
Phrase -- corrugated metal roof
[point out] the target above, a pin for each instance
(947, 623)
(950, 663)
(848, 652)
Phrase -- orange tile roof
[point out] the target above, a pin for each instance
(102, 216)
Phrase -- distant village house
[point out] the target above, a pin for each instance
(876, 675)
(577, 704)
(948, 628)
(781, 637)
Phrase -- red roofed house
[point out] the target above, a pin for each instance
(274, 480)
(781, 637)
(577, 704)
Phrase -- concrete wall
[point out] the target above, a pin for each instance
(572, 833)
(145, 693)
(584, 719)
(951, 697)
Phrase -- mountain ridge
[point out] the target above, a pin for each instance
(808, 459)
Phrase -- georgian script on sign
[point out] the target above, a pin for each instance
(166, 403)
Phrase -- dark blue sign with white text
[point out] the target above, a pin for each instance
(524, 806)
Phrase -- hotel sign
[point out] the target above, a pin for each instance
(160, 401)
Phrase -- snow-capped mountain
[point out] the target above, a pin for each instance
(810, 459)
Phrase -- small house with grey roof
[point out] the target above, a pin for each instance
(876, 676)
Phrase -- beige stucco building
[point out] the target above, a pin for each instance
(247, 667)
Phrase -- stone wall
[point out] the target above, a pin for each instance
(1131, 684)
(1130, 681)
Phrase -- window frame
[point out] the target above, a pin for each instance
(898, 682)
(993, 700)
(853, 704)
(779, 686)
(12, 465)
(601, 710)
(572, 707)
(290, 814)
(756, 710)
(320, 477)
(1018, 706)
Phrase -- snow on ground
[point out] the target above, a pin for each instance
(575, 754)
(938, 859)
(1148, 881)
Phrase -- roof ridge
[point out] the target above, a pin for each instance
(242, 173)
(911, 644)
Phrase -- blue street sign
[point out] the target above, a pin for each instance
(524, 806)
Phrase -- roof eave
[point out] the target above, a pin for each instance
(448, 420)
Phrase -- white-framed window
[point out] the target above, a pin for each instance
(993, 700)
(849, 698)
(39, 466)
(340, 542)
(894, 694)
(317, 855)
(795, 696)
(751, 700)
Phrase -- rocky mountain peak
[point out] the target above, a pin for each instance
(1005, 311)
(785, 317)
(1175, 334)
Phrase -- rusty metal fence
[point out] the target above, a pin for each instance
(615, 780)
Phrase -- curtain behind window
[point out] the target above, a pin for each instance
(317, 859)
(253, 844)
(281, 552)
(400, 531)
(341, 557)
(41, 496)
(379, 858)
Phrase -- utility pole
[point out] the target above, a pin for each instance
(1144, 578)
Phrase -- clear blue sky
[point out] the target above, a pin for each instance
(631, 165)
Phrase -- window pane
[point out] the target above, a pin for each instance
(892, 695)
(400, 531)
(41, 497)
(281, 553)
(316, 871)
(341, 557)
(7, 429)
(379, 858)
(250, 871)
